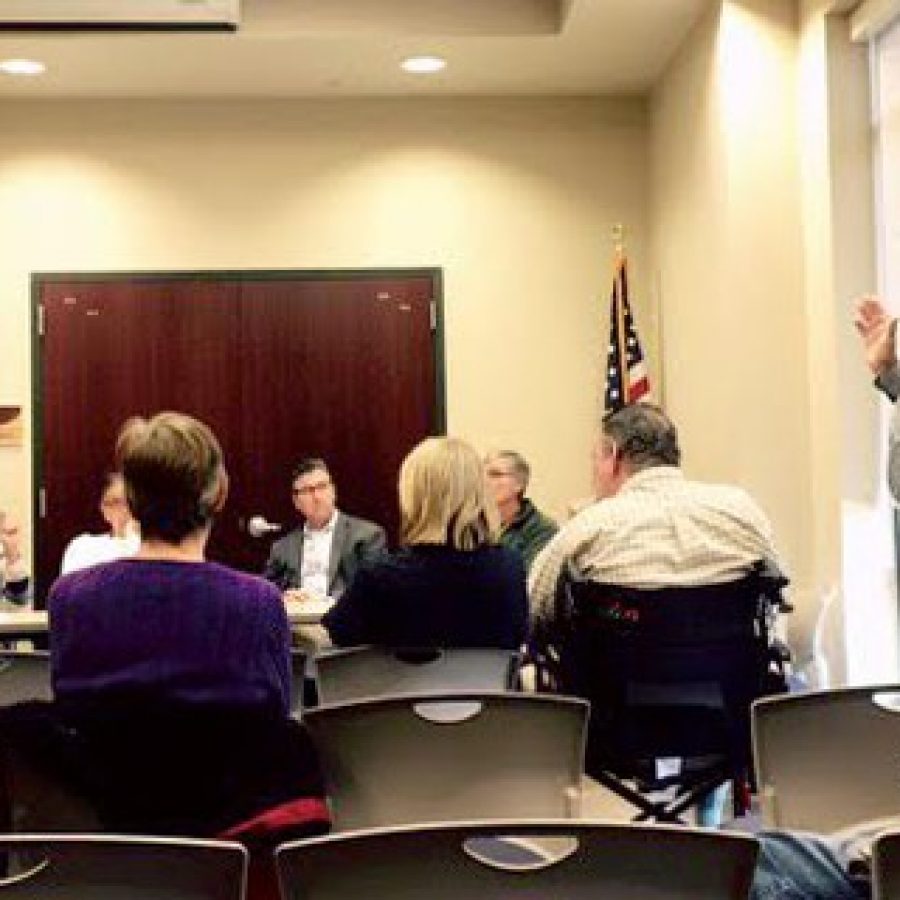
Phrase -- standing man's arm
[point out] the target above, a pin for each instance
(878, 330)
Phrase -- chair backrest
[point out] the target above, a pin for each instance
(669, 672)
(298, 681)
(24, 675)
(828, 759)
(531, 861)
(459, 756)
(886, 866)
(360, 672)
(94, 867)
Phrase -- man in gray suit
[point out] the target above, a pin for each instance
(320, 557)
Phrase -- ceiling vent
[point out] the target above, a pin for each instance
(169, 15)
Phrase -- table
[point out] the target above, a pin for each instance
(24, 624)
(306, 612)
(28, 623)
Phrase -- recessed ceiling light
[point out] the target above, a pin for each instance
(423, 65)
(22, 67)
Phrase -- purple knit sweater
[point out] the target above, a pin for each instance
(198, 632)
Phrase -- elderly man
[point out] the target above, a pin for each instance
(320, 557)
(14, 581)
(525, 528)
(651, 527)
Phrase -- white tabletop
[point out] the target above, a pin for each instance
(306, 612)
(34, 621)
(24, 621)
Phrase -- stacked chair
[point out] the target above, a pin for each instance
(886, 866)
(106, 867)
(442, 780)
(24, 675)
(551, 859)
(357, 672)
(828, 760)
(450, 756)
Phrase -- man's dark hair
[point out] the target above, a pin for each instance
(308, 464)
(644, 435)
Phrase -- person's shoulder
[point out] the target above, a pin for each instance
(503, 558)
(724, 495)
(359, 525)
(86, 582)
(542, 520)
(81, 542)
(286, 539)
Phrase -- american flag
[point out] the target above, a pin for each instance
(626, 373)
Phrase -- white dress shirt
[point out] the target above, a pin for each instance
(317, 557)
(93, 549)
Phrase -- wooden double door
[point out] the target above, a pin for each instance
(281, 365)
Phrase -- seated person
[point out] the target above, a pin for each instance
(14, 579)
(651, 527)
(171, 674)
(320, 558)
(450, 585)
(525, 528)
(120, 541)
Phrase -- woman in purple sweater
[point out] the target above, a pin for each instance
(166, 623)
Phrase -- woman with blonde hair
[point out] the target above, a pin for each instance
(451, 584)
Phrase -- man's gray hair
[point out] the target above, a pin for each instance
(518, 466)
(644, 435)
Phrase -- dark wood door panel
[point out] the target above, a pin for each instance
(343, 367)
(112, 350)
(356, 363)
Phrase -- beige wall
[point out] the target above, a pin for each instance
(515, 199)
(762, 230)
(726, 246)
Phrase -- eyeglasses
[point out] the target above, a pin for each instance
(497, 473)
(310, 489)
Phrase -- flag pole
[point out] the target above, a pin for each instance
(618, 232)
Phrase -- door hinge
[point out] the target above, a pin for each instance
(42, 503)
(41, 324)
(432, 309)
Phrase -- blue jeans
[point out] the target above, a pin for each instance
(711, 809)
(794, 866)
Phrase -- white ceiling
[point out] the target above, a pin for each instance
(351, 48)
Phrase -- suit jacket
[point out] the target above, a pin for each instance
(354, 541)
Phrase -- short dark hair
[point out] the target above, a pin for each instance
(644, 435)
(173, 469)
(308, 464)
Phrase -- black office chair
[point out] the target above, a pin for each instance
(670, 674)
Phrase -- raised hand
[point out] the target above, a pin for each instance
(877, 328)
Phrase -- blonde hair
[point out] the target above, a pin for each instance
(174, 474)
(444, 497)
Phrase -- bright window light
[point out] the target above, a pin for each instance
(22, 67)
(423, 65)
